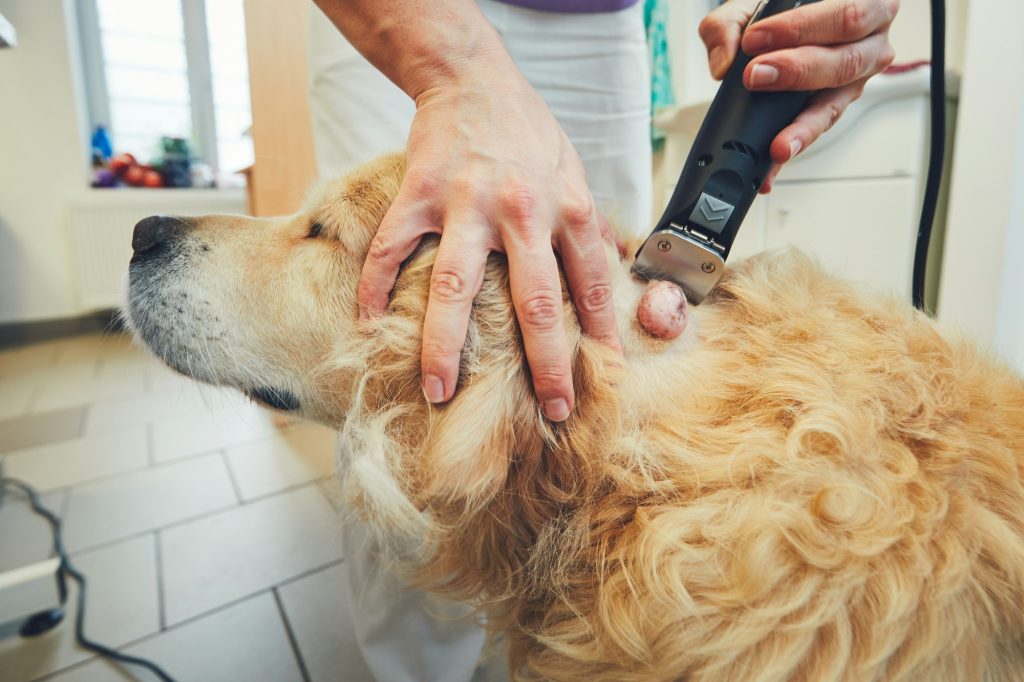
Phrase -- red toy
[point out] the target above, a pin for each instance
(121, 163)
(152, 178)
(134, 175)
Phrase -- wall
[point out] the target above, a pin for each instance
(43, 143)
(1009, 339)
(981, 284)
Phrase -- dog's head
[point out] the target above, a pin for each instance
(261, 304)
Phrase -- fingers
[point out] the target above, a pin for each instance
(721, 30)
(769, 181)
(586, 271)
(822, 111)
(833, 22)
(457, 276)
(815, 67)
(537, 298)
(396, 238)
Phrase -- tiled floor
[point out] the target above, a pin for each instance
(208, 534)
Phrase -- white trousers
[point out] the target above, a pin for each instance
(592, 71)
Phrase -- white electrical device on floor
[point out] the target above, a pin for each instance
(27, 589)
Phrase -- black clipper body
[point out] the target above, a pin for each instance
(721, 178)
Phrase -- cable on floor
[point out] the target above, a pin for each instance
(68, 569)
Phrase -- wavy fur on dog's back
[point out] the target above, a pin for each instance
(821, 487)
(808, 485)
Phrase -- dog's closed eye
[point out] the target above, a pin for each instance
(314, 230)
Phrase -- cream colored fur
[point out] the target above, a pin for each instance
(811, 484)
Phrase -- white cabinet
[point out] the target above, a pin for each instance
(861, 229)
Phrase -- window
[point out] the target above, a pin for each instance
(170, 68)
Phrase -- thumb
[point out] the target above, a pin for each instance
(721, 31)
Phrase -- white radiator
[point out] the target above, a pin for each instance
(101, 231)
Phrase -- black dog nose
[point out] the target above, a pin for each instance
(155, 230)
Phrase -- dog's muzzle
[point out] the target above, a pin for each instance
(153, 234)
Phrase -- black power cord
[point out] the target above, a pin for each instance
(68, 569)
(938, 148)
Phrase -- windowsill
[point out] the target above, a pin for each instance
(129, 196)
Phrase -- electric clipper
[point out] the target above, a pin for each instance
(721, 177)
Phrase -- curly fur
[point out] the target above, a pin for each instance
(812, 485)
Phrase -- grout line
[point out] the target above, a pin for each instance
(282, 491)
(161, 605)
(191, 519)
(312, 571)
(150, 445)
(251, 595)
(65, 503)
(86, 413)
(187, 621)
(142, 533)
(291, 636)
(30, 407)
(231, 477)
(136, 470)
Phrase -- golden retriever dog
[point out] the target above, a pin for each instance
(809, 484)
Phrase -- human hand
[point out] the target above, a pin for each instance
(490, 169)
(832, 46)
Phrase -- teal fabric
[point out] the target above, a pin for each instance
(662, 95)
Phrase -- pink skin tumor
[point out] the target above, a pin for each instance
(662, 311)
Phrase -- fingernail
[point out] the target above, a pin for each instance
(433, 388)
(794, 147)
(715, 60)
(556, 410)
(762, 75)
(756, 41)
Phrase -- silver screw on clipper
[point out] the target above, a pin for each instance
(707, 267)
(664, 245)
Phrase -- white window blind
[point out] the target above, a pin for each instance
(229, 67)
(170, 68)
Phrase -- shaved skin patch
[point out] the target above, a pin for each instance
(663, 312)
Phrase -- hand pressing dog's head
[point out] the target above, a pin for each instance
(269, 306)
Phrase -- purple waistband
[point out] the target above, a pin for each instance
(576, 6)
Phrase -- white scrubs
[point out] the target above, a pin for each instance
(593, 72)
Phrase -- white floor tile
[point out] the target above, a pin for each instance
(25, 537)
(79, 460)
(14, 400)
(318, 608)
(163, 379)
(96, 347)
(296, 455)
(215, 560)
(19, 387)
(126, 505)
(28, 358)
(176, 405)
(213, 430)
(246, 642)
(74, 389)
(122, 606)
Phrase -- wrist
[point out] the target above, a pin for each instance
(453, 46)
(481, 62)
